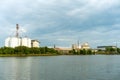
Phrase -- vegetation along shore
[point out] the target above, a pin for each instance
(45, 51)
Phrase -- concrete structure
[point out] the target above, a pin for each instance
(104, 47)
(26, 42)
(16, 41)
(20, 41)
(63, 50)
(85, 46)
(12, 42)
(74, 46)
(35, 43)
(7, 42)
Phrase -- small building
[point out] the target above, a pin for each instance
(35, 43)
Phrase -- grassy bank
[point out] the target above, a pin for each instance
(23, 55)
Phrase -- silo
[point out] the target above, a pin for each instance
(14, 42)
(7, 42)
(29, 42)
(26, 42)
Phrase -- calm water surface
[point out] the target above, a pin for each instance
(97, 67)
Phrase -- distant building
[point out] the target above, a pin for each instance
(63, 50)
(104, 47)
(35, 43)
(17, 41)
(74, 46)
(85, 46)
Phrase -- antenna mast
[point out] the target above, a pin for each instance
(17, 30)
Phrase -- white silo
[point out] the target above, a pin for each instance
(14, 42)
(17, 40)
(26, 42)
(29, 42)
(7, 42)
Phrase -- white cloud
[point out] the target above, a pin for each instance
(60, 21)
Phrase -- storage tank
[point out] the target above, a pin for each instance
(26, 42)
(15, 41)
(29, 42)
(7, 42)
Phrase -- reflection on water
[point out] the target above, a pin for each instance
(99, 67)
(15, 68)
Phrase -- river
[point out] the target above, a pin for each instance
(90, 67)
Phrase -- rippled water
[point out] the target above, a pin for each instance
(97, 67)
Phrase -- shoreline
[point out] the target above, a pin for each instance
(32, 55)
(24, 55)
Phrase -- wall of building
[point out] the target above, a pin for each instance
(35, 43)
(26, 42)
(16, 41)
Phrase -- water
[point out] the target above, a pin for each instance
(97, 67)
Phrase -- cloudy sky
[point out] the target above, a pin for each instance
(62, 22)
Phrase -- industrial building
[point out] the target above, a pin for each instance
(35, 43)
(20, 41)
(103, 48)
(85, 46)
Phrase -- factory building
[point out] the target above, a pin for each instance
(74, 46)
(35, 43)
(19, 41)
(78, 46)
(85, 46)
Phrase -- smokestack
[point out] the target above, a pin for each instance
(17, 28)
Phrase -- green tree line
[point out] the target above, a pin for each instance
(82, 52)
(22, 50)
(109, 51)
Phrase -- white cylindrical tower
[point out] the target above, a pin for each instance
(26, 42)
(14, 42)
(29, 42)
(7, 42)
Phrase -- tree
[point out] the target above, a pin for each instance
(35, 50)
(21, 50)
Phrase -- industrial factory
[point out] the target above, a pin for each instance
(17, 40)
